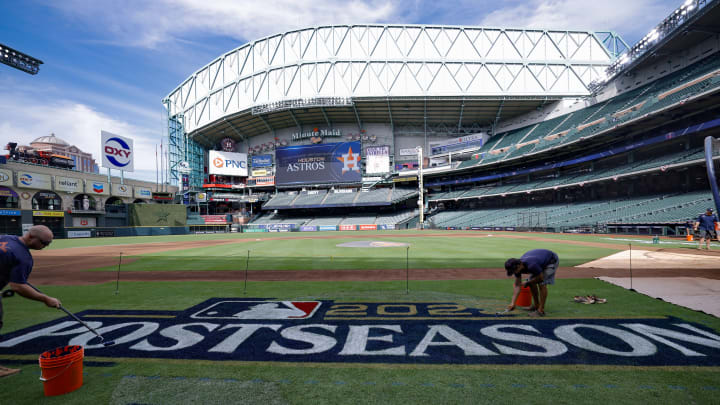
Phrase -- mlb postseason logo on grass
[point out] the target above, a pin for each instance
(327, 331)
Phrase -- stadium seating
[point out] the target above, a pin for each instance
(589, 121)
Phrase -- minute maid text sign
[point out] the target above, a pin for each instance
(325, 331)
(323, 163)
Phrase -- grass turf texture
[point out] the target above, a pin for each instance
(425, 252)
(148, 380)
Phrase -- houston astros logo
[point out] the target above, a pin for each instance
(3, 246)
(351, 162)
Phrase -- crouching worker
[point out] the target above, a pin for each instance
(540, 264)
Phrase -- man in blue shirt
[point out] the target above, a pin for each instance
(16, 263)
(541, 265)
(706, 223)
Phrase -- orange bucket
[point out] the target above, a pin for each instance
(524, 299)
(689, 237)
(62, 370)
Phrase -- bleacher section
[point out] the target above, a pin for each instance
(368, 219)
(326, 199)
(658, 209)
(653, 97)
(650, 163)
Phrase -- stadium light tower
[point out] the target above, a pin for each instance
(19, 60)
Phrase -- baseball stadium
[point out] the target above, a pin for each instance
(339, 212)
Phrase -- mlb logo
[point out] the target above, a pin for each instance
(259, 310)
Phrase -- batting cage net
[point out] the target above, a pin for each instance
(712, 162)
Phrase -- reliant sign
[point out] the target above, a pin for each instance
(68, 184)
(228, 163)
(117, 152)
(418, 333)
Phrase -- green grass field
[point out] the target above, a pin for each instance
(154, 381)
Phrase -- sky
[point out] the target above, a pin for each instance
(108, 64)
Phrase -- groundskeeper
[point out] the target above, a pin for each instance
(706, 224)
(16, 263)
(541, 265)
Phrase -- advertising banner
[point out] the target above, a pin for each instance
(214, 219)
(121, 190)
(48, 213)
(79, 234)
(228, 163)
(259, 173)
(308, 228)
(7, 192)
(368, 227)
(327, 228)
(6, 177)
(262, 161)
(322, 163)
(33, 180)
(255, 230)
(108, 233)
(386, 226)
(143, 192)
(262, 181)
(377, 159)
(408, 152)
(97, 187)
(68, 184)
(84, 222)
(117, 152)
(347, 227)
(13, 213)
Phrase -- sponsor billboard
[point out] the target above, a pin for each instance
(6, 177)
(227, 163)
(33, 180)
(48, 213)
(97, 187)
(324, 331)
(120, 190)
(117, 152)
(68, 184)
(12, 213)
(84, 222)
(262, 161)
(367, 227)
(260, 173)
(327, 228)
(215, 219)
(377, 159)
(322, 163)
(143, 192)
(7, 192)
(308, 228)
(347, 227)
(79, 234)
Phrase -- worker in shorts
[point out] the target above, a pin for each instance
(706, 224)
(541, 265)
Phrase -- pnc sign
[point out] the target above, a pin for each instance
(244, 329)
(117, 152)
(228, 163)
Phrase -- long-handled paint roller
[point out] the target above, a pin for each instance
(102, 339)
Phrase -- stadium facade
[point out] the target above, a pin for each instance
(496, 110)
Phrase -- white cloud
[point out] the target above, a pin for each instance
(151, 24)
(76, 123)
(630, 19)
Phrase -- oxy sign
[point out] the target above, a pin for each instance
(228, 163)
(117, 152)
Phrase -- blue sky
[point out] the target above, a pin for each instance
(108, 64)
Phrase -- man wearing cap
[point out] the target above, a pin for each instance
(541, 265)
(706, 224)
(16, 263)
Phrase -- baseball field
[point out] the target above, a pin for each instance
(356, 317)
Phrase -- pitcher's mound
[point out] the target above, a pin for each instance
(372, 244)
